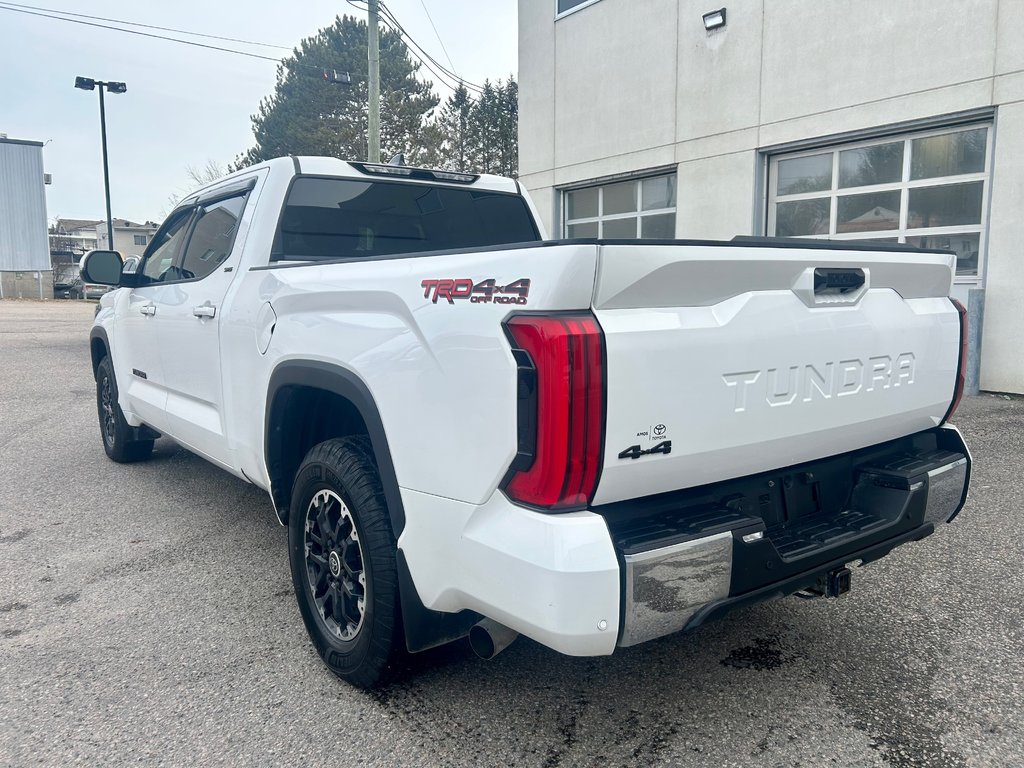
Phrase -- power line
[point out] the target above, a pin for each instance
(291, 64)
(143, 34)
(447, 77)
(409, 38)
(147, 26)
(393, 27)
(436, 34)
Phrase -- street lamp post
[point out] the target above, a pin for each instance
(88, 84)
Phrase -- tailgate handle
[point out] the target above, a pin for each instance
(837, 280)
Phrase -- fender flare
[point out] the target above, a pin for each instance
(343, 382)
(424, 628)
(97, 332)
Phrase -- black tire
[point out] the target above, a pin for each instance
(354, 622)
(117, 435)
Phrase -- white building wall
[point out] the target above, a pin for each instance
(621, 87)
(1002, 346)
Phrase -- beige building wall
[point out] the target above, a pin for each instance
(124, 239)
(621, 87)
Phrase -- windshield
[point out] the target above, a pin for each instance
(344, 218)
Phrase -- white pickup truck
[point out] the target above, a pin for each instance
(471, 430)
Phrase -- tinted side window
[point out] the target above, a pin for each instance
(340, 218)
(163, 250)
(212, 237)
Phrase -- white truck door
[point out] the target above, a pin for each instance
(190, 313)
(136, 346)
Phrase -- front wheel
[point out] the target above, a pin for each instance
(117, 434)
(342, 555)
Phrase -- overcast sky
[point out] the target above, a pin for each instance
(186, 105)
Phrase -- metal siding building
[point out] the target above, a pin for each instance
(24, 248)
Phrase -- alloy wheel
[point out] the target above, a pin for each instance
(108, 417)
(334, 564)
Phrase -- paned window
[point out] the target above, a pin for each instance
(926, 189)
(638, 208)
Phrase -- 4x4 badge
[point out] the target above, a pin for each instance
(635, 451)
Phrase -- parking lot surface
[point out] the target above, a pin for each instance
(147, 617)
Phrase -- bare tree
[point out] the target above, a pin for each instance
(198, 176)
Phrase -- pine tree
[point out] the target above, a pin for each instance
(454, 126)
(484, 130)
(308, 116)
(508, 128)
(493, 125)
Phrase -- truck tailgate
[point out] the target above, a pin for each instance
(728, 359)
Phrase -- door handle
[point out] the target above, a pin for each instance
(148, 309)
(204, 310)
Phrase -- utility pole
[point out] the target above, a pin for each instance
(373, 51)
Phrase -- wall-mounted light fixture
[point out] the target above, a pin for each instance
(714, 19)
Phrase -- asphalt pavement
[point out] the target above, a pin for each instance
(147, 617)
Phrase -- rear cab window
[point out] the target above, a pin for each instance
(336, 218)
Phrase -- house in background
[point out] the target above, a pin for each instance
(849, 120)
(70, 239)
(130, 238)
(24, 256)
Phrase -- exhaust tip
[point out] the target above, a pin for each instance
(488, 638)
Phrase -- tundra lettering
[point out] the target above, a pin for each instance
(810, 382)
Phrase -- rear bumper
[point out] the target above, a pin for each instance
(553, 578)
(680, 586)
(584, 583)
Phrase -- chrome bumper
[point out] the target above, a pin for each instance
(945, 491)
(666, 587)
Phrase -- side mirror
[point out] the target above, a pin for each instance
(102, 267)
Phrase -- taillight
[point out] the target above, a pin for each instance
(561, 410)
(961, 368)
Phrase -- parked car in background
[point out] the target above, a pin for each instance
(71, 289)
(94, 290)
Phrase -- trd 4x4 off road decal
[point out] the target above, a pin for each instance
(484, 292)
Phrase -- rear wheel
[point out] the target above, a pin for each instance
(119, 440)
(342, 555)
